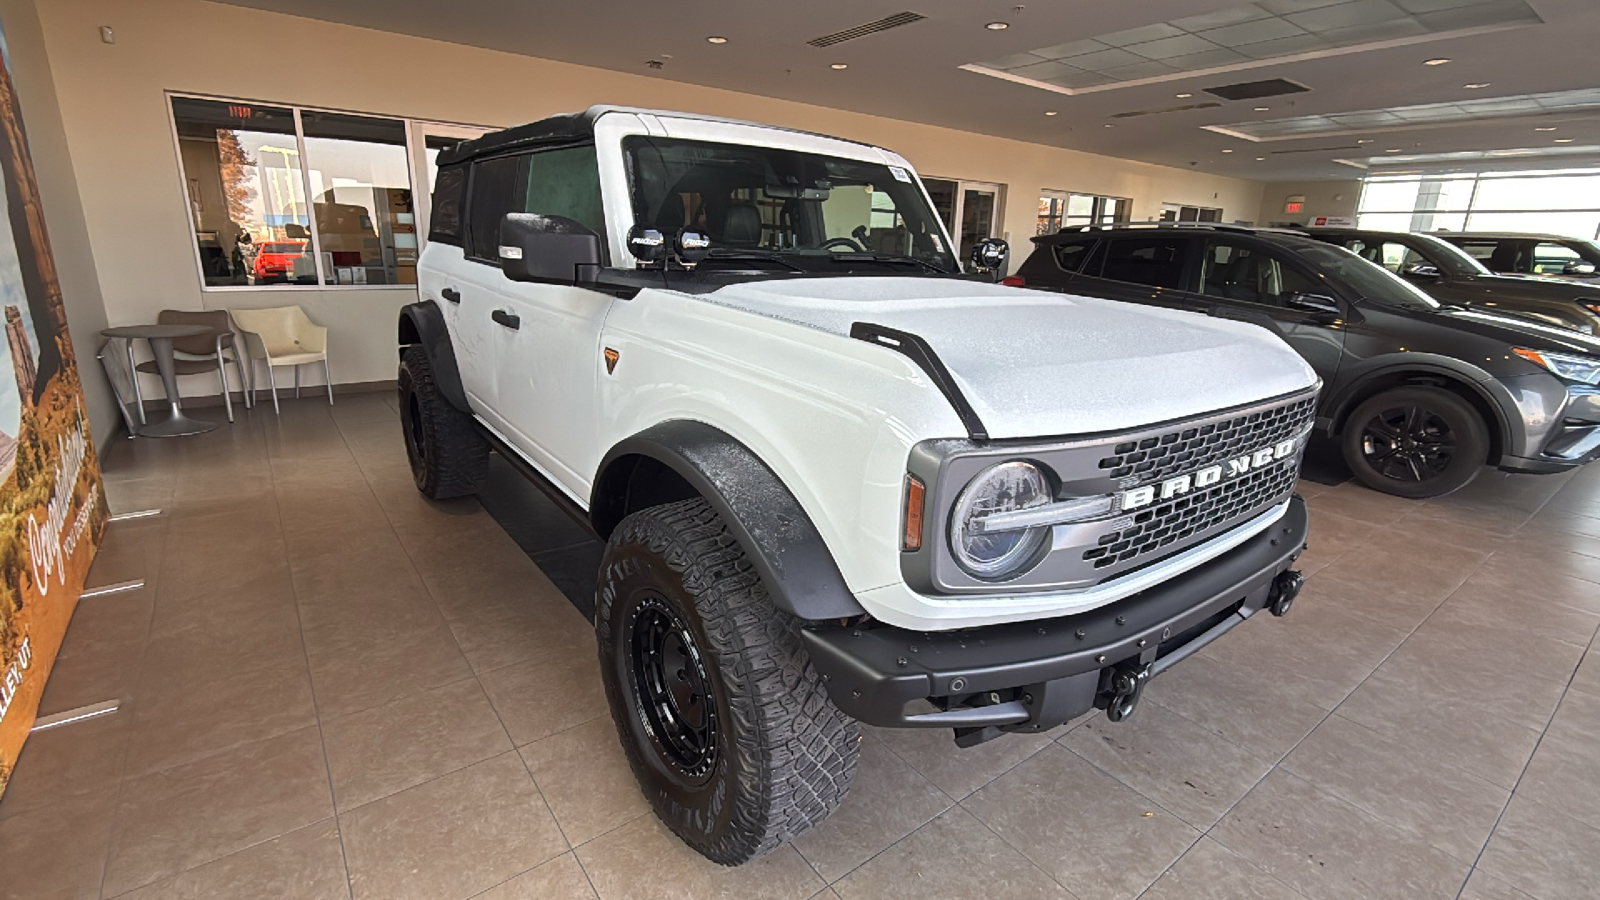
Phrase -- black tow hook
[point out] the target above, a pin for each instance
(1284, 589)
(1126, 687)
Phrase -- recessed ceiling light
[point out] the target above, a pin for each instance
(716, 39)
(1546, 128)
(1476, 85)
(840, 66)
(1263, 108)
(1050, 112)
(1184, 96)
(1225, 150)
(1563, 140)
(1439, 61)
(1364, 140)
(1261, 159)
(1393, 150)
(1110, 125)
(998, 26)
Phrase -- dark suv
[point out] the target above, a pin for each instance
(1449, 275)
(1420, 394)
(1550, 255)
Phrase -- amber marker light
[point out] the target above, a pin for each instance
(915, 494)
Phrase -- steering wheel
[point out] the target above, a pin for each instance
(848, 243)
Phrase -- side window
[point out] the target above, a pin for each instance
(1155, 261)
(1250, 275)
(1070, 256)
(1398, 256)
(1368, 252)
(498, 186)
(566, 182)
(1482, 251)
(1551, 258)
(448, 190)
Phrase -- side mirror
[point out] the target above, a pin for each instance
(1578, 267)
(552, 249)
(990, 255)
(1420, 270)
(1313, 303)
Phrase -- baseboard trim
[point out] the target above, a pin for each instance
(202, 401)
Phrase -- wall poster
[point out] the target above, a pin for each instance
(52, 511)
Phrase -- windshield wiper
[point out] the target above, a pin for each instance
(891, 258)
(763, 255)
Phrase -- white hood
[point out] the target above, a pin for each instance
(1036, 364)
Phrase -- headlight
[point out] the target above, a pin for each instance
(1572, 368)
(1008, 487)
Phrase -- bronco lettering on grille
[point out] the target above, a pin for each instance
(1210, 475)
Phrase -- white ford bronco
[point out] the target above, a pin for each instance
(839, 480)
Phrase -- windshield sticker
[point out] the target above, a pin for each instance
(900, 174)
(938, 243)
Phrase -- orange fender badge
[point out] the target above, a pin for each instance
(611, 360)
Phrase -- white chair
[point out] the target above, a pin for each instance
(283, 336)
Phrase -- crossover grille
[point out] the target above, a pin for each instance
(1186, 449)
(1171, 522)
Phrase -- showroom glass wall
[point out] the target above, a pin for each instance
(1060, 209)
(1564, 202)
(284, 196)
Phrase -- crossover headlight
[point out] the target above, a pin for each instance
(989, 552)
(1581, 369)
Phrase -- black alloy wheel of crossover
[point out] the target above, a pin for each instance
(671, 690)
(1416, 442)
(724, 720)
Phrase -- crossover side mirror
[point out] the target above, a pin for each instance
(1578, 267)
(552, 249)
(1313, 303)
(989, 255)
(1420, 270)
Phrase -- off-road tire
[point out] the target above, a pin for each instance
(449, 458)
(784, 754)
(1447, 414)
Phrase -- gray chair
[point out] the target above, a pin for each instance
(204, 353)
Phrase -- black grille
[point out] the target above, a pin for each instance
(1194, 513)
(1187, 449)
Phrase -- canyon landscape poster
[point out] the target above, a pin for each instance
(52, 511)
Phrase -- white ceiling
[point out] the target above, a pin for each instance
(913, 72)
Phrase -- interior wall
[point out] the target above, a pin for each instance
(117, 122)
(63, 209)
(1323, 198)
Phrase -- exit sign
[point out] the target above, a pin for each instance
(1294, 206)
(239, 112)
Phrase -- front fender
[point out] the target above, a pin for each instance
(782, 542)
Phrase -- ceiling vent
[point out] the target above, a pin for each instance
(1255, 90)
(883, 24)
(1165, 109)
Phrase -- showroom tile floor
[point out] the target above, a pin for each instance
(332, 688)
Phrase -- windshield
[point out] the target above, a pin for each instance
(282, 248)
(793, 205)
(1372, 281)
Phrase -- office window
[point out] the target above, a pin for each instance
(361, 198)
(1565, 202)
(1173, 212)
(247, 202)
(1058, 210)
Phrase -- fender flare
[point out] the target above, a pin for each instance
(1478, 382)
(782, 542)
(422, 323)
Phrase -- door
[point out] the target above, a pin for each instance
(1252, 279)
(470, 290)
(550, 359)
(971, 211)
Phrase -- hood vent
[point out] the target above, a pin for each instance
(883, 24)
(1255, 90)
(1211, 104)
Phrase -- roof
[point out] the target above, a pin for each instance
(1505, 235)
(572, 128)
(1146, 227)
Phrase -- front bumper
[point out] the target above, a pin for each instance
(1571, 437)
(1032, 676)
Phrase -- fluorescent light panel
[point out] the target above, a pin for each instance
(1582, 100)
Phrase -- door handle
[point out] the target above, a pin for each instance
(509, 320)
(451, 294)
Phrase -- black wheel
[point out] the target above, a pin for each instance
(1416, 442)
(448, 456)
(724, 720)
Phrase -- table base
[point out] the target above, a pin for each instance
(176, 425)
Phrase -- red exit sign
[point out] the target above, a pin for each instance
(1293, 206)
(239, 112)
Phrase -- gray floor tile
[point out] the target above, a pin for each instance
(585, 778)
(561, 878)
(888, 801)
(642, 860)
(1210, 871)
(57, 851)
(1543, 852)
(954, 857)
(306, 865)
(957, 771)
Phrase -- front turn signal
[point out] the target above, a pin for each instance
(911, 539)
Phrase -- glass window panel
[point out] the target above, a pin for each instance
(943, 195)
(1572, 224)
(449, 189)
(1080, 205)
(1389, 196)
(1553, 259)
(566, 182)
(1436, 221)
(1561, 192)
(497, 186)
(241, 171)
(1157, 262)
(1399, 221)
(361, 195)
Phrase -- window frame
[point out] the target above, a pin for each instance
(1283, 258)
(323, 282)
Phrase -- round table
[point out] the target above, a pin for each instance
(160, 337)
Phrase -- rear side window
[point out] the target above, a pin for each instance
(449, 186)
(499, 186)
(1155, 261)
(1482, 251)
(1070, 256)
